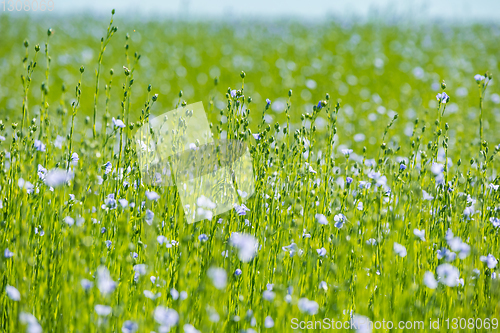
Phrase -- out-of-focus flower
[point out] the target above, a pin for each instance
(129, 327)
(490, 261)
(118, 123)
(429, 280)
(58, 177)
(448, 275)
(39, 145)
(321, 219)
(247, 245)
(307, 306)
(479, 78)
(218, 277)
(400, 249)
(103, 310)
(13, 293)
(420, 234)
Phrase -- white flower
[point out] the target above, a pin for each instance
(8, 253)
(427, 196)
(429, 280)
(74, 158)
(400, 249)
(204, 213)
(105, 283)
(268, 322)
(58, 177)
(323, 285)
(149, 216)
(445, 253)
(118, 123)
(129, 327)
(59, 141)
(166, 317)
(41, 172)
(174, 293)
(420, 234)
(86, 284)
(161, 239)
(438, 170)
(241, 210)
(495, 221)
(107, 167)
(468, 211)
(479, 78)
(152, 195)
(205, 202)
(102, 310)
(339, 220)
(361, 324)
(443, 97)
(31, 322)
(291, 249)
(39, 145)
(13, 293)
(457, 245)
(69, 220)
(321, 252)
(307, 306)
(149, 294)
(218, 277)
(490, 261)
(321, 219)
(448, 275)
(246, 244)
(188, 328)
(268, 295)
(346, 152)
(140, 269)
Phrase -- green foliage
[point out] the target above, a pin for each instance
(352, 247)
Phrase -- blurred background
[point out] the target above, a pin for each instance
(312, 9)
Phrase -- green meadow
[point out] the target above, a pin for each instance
(375, 161)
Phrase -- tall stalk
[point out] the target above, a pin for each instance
(104, 42)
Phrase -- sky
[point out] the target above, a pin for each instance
(459, 10)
